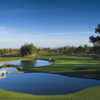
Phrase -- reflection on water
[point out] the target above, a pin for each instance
(11, 69)
(42, 83)
(34, 63)
(27, 63)
(41, 63)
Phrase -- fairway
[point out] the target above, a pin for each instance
(76, 66)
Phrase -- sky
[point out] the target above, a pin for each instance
(47, 23)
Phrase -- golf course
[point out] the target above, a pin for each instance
(72, 66)
(49, 49)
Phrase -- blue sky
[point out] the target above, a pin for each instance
(47, 23)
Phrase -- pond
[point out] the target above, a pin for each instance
(44, 83)
(36, 63)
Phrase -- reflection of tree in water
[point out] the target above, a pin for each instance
(27, 65)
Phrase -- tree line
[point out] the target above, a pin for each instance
(30, 49)
(85, 50)
(7, 51)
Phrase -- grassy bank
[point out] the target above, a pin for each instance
(87, 94)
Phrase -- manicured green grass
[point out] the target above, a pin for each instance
(4, 59)
(72, 65)
(87, 94)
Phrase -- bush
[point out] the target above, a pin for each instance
(27, 49)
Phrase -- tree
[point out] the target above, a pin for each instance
(96, 40)
(27, 49)
(86, 49)
(79, 49)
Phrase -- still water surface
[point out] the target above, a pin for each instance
(43, 83)
(36, 63)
